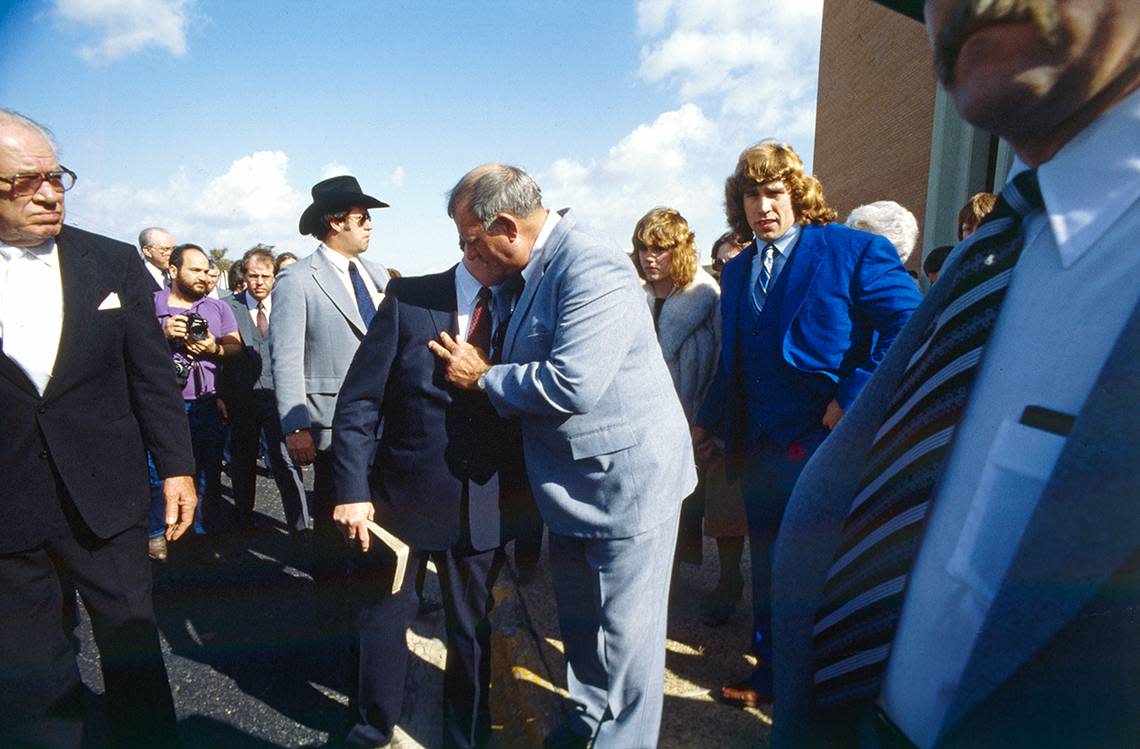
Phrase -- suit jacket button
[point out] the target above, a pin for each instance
(42, 410)
(43, 454)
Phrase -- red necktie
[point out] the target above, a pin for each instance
(479, 329)
(262, 320)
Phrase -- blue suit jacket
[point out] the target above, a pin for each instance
(607, 445)
(434, 439)
(847, 297)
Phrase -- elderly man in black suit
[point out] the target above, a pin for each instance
(447, 478)
(86, 388)
(247, 397)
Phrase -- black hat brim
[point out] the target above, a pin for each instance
(308, 223)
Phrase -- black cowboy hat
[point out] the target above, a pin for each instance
(333, 194)
(912, 8)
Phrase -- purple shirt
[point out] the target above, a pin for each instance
(219, 317)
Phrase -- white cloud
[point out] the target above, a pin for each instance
(741, 71)
(251, 202)
(650, 166)
(128, 26)
(334, 169)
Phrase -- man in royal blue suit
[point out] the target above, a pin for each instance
(447, 478)
(809, 309)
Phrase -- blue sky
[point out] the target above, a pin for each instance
(215, 118)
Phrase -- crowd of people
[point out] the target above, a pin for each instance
(938, 492)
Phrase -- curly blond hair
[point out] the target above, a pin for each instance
(768, 161)
(667, 229)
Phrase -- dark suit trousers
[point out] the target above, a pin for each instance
(254, 413)
(40, 691)
(769, 472)
(466, 579)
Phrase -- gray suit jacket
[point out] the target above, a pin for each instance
(607, 446)
(315, 333)
(1057, 661)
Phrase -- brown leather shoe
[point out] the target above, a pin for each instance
(741, 694)
(156, 548)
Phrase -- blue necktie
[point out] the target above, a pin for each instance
(768, 258)
(364, 301)
(866, 585)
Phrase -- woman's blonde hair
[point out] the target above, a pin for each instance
(667, 229)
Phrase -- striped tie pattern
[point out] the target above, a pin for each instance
(863, 594)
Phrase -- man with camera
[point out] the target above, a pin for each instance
(201, 332)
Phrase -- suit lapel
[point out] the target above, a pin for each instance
(11, 371)
(799, 272)
(443, 312)
(549, 250)
(328, 280)
(1052, 575)
(735, 277)
(80, 281)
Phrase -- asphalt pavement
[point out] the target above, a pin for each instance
(249, 667)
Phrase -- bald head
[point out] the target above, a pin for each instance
(156, 245)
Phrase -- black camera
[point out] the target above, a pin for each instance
(196, 327)
(183, 366)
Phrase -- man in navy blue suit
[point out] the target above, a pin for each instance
(447, 479)
(809, 309)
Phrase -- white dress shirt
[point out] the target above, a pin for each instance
(340, 263)
(31, 308)
(159, 277)
(1076, 284)
(267, 303)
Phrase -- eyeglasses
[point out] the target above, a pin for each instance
(361, 218)
(29, 184)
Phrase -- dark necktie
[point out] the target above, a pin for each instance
(863, 594)
(364, 301)
(764, 279)
(262, 320)
(507, 297)
(479, 328)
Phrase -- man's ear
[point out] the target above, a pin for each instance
(506, 225)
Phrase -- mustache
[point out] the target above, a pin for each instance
(971, 15)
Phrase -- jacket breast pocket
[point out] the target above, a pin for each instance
(601, 441)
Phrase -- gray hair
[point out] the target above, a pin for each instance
(12, 117)
(492, 189)
(888, 219)
(146, 236)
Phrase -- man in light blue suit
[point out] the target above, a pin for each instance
(809, 309)
(607, 447)
(322, 305)
(978, 586)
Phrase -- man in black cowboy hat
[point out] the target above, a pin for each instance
(959, 565)
(322, 306)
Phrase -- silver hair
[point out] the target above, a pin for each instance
(146, 236)
(889, 219)
(12, 117)
(492, 189)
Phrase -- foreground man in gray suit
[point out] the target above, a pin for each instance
(959, 563)
(606, 443)
(322, 305)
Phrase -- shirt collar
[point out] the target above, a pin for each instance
(339, 261)
(1092, 180)
(466, 287)
(784, 244)
(45, 251)
(251, 303)
(552, 219)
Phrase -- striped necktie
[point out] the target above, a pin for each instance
(863, 594)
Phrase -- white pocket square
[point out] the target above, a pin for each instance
(111, 302)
